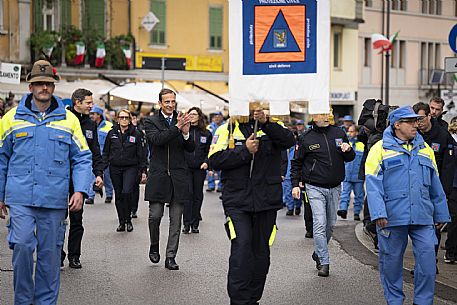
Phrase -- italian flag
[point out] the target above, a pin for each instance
(128, 55)
(381, 42)
(100, 55)
(80, 51)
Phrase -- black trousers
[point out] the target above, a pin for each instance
(136, 196)
(307, 214)
(451, 241)
(249, 255)
(193, 207)
(76, 231)
(124, 181)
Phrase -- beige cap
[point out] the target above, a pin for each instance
(42, 71)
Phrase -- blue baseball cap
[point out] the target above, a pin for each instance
(218, 113)
(405, 112)
(97, 109)
(347, 118)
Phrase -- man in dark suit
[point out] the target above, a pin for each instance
(168, 182)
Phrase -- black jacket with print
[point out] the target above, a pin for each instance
(318, 159)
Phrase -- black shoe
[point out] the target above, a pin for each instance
(62, 265)
(219, 191)
(89, 201)
(297, 211)
(121, 228)
(356, 217)
(170, 264)
(108, 199)
(154, 255)
(74, 263)
(210, 190)
(129, 227)
(290, 213)
(317, 260)
(309, 235)
(195, 230)
(134, 215)
(324, 271)
(186, 229)
(449, 257)
(342, 213)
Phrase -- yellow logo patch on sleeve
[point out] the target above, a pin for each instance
(21, 134)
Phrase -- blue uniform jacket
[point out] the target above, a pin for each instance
(352, 168)
(37, 155)
(103, 128)
(402, 183)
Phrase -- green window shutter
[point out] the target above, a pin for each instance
(65, 8)
(94, 19)
(158, 8)
(215, 27)
(38, 15)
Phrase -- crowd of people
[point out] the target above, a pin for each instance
(400, 167)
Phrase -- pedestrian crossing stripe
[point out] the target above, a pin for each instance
(279, 33)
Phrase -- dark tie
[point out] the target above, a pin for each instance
(169, 121)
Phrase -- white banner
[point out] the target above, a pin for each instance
(10, 73)
(279, 52)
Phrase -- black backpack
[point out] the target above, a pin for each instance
(374, 115)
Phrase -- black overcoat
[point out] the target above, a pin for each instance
(168, 179)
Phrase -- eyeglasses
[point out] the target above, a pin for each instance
(42, 84)
(409, 121)
(123, 118)
(422, 117)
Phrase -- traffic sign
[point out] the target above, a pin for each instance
(450, 64)
(150, 21)
(453, 38)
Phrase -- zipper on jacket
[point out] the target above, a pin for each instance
(168, 160)
(328, 149)
(311, 170)
(195, 141)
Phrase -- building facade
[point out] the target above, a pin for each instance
(417, 58)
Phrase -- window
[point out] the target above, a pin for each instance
(158, 7)
(369, 3)
(394, 55)
(432, 7)
(337, 42)
(402, 54)
(367, 52)
(395, 4)
(94, 16)
(398, 5)
(424, 6)
(65, 15)
(455, 8)
(215, 27)
(48, 16)
(437, 56)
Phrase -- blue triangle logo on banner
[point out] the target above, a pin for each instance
(280, 37)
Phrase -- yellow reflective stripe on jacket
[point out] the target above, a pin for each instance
(231, 228)
(378, 154)
(374, 159)
(220, 140)
(272, 236)
(9, 124)
(108, 126)
(359, 146)
(71, 125)
(305, 196)
(428, 152)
